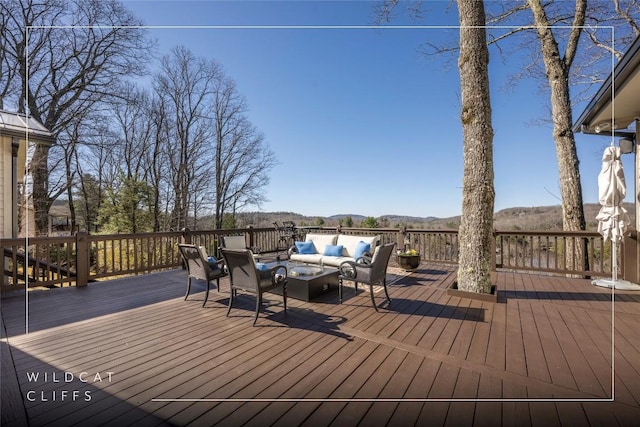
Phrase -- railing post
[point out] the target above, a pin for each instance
(400, 238)
(629, 254)
(186, 236)
(494, 260)
(251, 237)
(82, 259)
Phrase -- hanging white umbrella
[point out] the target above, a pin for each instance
(612, 218)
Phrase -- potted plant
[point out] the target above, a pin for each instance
(409, 259)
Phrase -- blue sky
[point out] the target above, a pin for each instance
(355, 114)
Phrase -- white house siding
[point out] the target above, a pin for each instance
(28, 131)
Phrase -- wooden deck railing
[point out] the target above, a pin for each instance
(583, 253)
(79, 259)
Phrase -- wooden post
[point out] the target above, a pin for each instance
(15, 147)
(400, 238)
(494, 261)
(251, 237)
(186, 236)
(636, 260)
(82, 259)
(629, 251)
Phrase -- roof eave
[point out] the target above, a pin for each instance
(625, 68)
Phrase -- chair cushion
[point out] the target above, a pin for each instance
(334, 261)
(263, 270)
(305, 248)
(310, 258)
(213, 263)
(333, 250)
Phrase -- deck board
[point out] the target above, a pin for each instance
(548, 337)
(514, 340)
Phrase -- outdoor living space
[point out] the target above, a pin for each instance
(552, 351)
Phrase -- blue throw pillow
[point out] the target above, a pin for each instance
(333, 250)
(213, 263)
(305, 248)
(361, 248)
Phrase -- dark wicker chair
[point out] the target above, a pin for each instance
(371, 271)
(198, 268)
(245, 276)
(238, 242)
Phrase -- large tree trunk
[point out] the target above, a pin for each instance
(40, 190)
(476, 224)
(557, 68)
(573, 219)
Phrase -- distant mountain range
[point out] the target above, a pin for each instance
(399, 218)
(525, 218)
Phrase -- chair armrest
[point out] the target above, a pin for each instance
(222, 267)
(292, 250)
(278, 274)
(365, 259)
(349, 269)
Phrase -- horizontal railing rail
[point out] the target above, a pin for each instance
(82, 258)
(561, 252)
(50, 262)
(129, 254)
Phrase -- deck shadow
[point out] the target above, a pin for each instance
(431, 309)
(424, 308)
(568, 296)
(296, 317)
(94, 300)
(58, 395)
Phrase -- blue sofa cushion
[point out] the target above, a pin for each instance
(305, 248)
(361, 248)
(333, 250)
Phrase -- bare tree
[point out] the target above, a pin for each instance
(158, 164)
(94, 168)
(217, 159)
(622, 15)
(242, 157)
(558, 27)
(131, 120)
(69, 156)
(88, 198)
(476, 224)
(60, 58)
(557, 66)
(185, 86)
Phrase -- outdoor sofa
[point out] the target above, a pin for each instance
(332, 249)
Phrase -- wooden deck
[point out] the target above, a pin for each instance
(132, 351)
